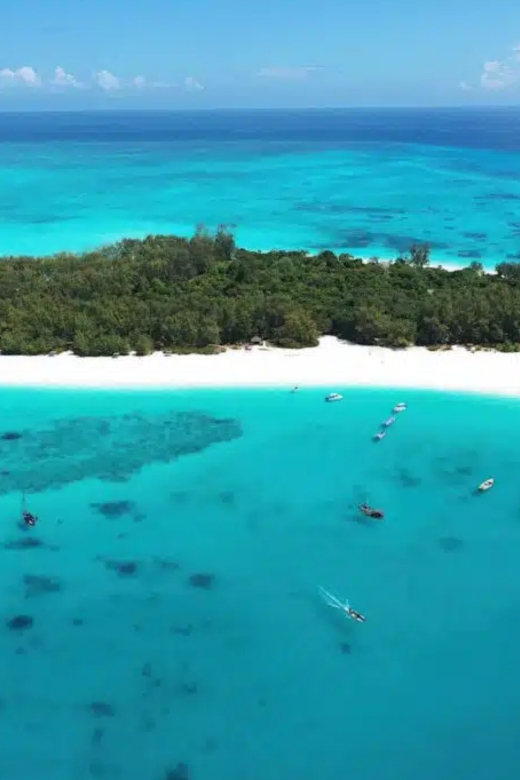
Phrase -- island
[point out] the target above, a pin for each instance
(177, 295)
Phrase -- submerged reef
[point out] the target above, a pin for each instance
(39, 585)
(25, 543)
(450, 544)
(114, 509)
(179, 772)
(101, 709)
(20, 622)
(106, 448)
(203, 581)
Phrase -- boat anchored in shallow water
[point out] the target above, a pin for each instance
(398, 408)
(333, 397)
(389, 422)
(486, 485)
(375, 514)
(27, 517)
(379, 435)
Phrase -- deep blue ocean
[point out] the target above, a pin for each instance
(162, 621)
(367, 181)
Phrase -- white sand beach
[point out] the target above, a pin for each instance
(332, 365)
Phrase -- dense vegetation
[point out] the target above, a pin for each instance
(168, 293)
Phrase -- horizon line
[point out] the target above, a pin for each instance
(209, 109)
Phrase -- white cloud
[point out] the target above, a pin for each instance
(28, 76)
(281, 72)
(192, 85)
(500, 74)
(25, 76)
(63, 79)
(141, 82)
(107, 81)
(496, 75)
(7, 76)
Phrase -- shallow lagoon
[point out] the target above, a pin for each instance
(368, 181)
(177, 631)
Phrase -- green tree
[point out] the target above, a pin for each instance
(224, 244)
(509, 271)
(143, 345)
(297, 330)
(166, 292)
(419, 255)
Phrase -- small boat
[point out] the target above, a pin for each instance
(389, 422)
(486, 485)
(399, 408)
(367, 510)
(344, 606)
(27, 517)
(333, 397)
(380, 435)
(357, 616)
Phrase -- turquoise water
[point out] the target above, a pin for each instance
(371, 182)
(132, 669)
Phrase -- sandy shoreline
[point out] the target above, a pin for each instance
(332, 365)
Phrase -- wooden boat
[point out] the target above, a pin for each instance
(376, 514)
(344, 606)
(27, 517)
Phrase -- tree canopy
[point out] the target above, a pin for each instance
(187, 295)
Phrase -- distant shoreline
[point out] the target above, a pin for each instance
(446, 263)
(331, 365)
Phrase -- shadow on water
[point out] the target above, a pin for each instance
(450, 544)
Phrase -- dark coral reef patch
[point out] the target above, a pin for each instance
(63, 452)
(202, 581)
(39, 585)
(122, 568)
(20, 623)
(114, 509)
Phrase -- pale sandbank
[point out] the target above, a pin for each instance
(333, 364)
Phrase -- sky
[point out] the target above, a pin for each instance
(86, 54)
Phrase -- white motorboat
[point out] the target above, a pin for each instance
(399, 408)
(486, 485)
(389, 422)
(333, 397)
(380, 435)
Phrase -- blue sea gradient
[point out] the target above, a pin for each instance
(141, 672)
(366, 181)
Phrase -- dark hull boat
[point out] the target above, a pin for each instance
(368, 511)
